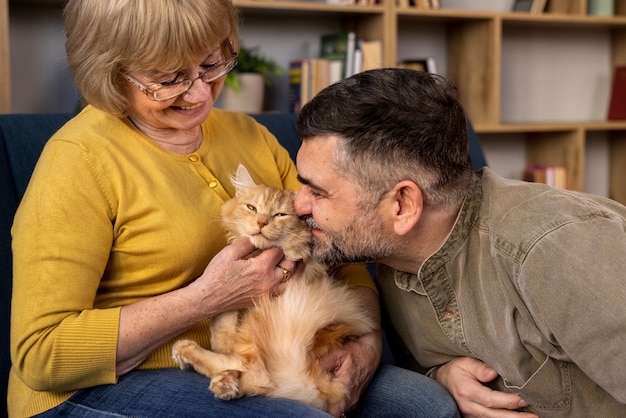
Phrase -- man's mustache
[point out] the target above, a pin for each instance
(311, 223)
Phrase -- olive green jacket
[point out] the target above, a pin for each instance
(532, 281)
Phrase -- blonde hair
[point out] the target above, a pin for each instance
(106, 38)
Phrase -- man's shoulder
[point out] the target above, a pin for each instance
(517, 212)
(504, 198)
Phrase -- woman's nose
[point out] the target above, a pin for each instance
(199, 90)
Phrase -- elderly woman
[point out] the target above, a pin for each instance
(117, 252)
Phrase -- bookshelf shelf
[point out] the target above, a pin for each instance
(550, 19)
(305, 6)
(5, 80)
(547, 127)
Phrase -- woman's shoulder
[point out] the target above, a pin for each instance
(91, 125)
(225, 119)
(231, 128)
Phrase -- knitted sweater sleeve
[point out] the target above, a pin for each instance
(56, 276)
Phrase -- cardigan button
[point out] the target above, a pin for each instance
(194, 158)
(213, 184)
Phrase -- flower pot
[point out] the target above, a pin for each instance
(249, 98)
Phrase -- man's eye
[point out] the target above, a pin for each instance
(313, 192)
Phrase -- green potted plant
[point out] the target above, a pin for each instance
(250, 60)
(244, 86)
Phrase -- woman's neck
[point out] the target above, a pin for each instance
(177, 141)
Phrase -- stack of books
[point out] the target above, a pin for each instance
(555, 176)
(341, 56)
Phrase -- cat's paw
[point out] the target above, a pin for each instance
(180, 350)
(225, 385)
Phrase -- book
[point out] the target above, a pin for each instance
(336, 68)
(295, 85)
(301, 74)
(320, 75)
(357, 61)
(534, 175)
(339, 47)
(522, 5)
(371, 54)
(307, 77)
(538, 6)
(600, 7)
(350, 48)
(617, 105)
(428, 64)
(555, 176)
(431, 65)
(415, 65)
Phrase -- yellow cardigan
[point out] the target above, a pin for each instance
(110, 218)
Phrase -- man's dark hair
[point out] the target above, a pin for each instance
(395, 124)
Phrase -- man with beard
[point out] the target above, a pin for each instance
(510, 293)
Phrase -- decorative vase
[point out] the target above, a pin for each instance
(249, 98)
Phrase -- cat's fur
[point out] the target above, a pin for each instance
(272, 349)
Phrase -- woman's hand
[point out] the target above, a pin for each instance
(236, 276)
(231, 281)
(464, 378)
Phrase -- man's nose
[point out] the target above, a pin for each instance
(300, 203)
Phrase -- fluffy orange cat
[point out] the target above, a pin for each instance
(273, 348)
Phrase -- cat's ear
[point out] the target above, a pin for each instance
(243, 179)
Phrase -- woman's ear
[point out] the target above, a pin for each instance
(408, 205)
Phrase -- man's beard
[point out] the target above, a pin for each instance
(362, 240)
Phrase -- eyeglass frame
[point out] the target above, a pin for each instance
(151, 94)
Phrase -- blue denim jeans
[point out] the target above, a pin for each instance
(172, 393)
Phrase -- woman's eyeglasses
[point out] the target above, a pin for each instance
(166, 92)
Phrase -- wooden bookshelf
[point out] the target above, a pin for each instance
(474, 44)
(5, 80)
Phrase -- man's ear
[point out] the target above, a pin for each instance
(408, 205)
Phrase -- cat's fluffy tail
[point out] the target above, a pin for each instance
(309, 319)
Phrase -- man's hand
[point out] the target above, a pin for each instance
(356, 362)
(464, 378)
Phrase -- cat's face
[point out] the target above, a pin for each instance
(263, 214)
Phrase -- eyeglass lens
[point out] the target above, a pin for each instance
(220, 70)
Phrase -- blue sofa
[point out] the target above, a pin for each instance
(22, 137)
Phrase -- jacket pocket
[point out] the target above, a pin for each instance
(548, 388)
